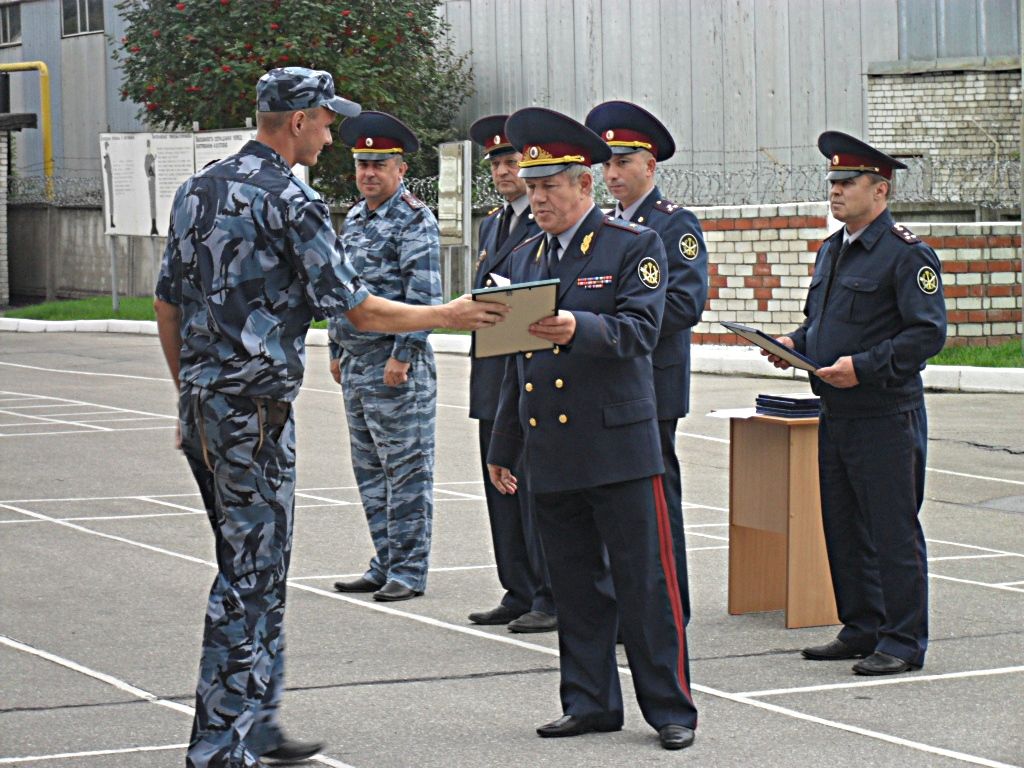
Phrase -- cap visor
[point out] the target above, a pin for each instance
(841, 175)
(623, 150)
(343, 107)
(376, 155)
(540, 171)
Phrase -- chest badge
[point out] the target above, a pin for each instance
(688, 246)
(585, 245)
(594, 282)
(650, 272)
(927, 280)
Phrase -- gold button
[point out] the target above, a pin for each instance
(556, 350)
(563, 419)
(529, 387)
(640, 220)
(488, 283)
(529, 355)
(533, 422)
(559, 383)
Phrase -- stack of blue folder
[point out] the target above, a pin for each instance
(791, 406)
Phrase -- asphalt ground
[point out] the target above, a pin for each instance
(106, 560)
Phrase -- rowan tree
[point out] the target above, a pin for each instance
(199, 60)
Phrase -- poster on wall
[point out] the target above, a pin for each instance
(168, 164)
(126, 202)
(142, 171)
(216, 145)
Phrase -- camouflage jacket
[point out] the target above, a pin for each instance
(396, 250)
(251, 258)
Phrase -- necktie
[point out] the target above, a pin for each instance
(554, 246)
(506, 222)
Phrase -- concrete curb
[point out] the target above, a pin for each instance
(707, 358)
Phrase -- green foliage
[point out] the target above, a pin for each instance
(199, 60)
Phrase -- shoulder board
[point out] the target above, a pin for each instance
(494, 210)
(626, 226)
(413, 202)
(528, 241)
(905, 234)
(667, 206)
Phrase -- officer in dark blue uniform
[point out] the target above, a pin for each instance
(583, 415)
(639, 142)
(527, 605)
(875, 314)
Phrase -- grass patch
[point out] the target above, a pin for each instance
(95, 308)
(1006, 355)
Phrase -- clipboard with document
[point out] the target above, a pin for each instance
(528, 303)
(769, 344)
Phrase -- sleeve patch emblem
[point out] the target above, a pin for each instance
(688, 246)
(650, 272)
(927, 280)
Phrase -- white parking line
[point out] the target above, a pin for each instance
(466, 630)
(93, 753)
(120, 685)
(976, 583)
(886, 681)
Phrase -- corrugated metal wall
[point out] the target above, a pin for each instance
(942, 29)
(736, 81)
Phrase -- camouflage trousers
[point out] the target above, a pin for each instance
(391, 434)
(242, 454)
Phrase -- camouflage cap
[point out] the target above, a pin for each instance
(289, 88)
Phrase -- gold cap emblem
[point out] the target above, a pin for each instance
(534, 153)
(609, 135)
(497, 139)
(369, 142)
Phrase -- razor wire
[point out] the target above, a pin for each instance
(972, 181)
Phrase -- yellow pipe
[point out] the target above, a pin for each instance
(44, 113)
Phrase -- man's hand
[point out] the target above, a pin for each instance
(395, 373)
(502, 479)
(558, 329)
(464, 314)
(336, 370)
(775, 360)
(841, 374)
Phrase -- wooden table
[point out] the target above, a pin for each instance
(777, 555)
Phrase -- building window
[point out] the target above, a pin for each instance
(10, 24)
(81, 16)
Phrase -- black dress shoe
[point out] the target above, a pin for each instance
(879, 663)
(675, 736)
(534, 621)
(289, 752)
(571, 725)
(495, 616)
(393, 592)
(362, 584)
(837, 650)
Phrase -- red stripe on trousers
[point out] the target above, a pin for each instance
(668, 566)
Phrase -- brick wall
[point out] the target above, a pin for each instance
(959, 112)
(761, 259)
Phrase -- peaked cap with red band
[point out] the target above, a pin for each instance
(378, 136)
(626, 128)
(849, 157)
(552, 142)
(489, 132)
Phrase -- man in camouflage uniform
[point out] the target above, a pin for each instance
(389, 381)
(251, 258)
